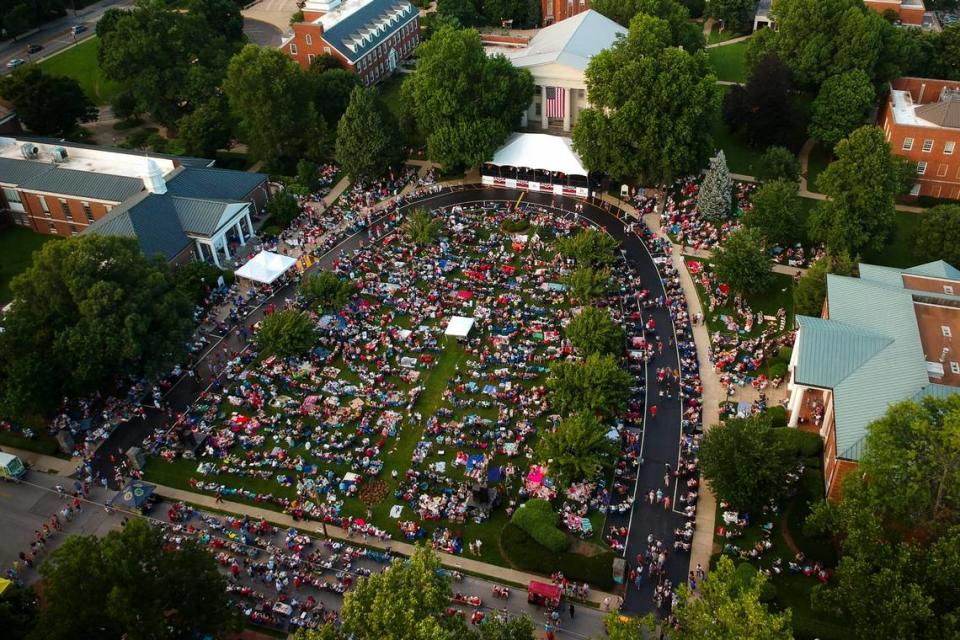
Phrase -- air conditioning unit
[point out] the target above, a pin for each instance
(30, 151)
(59, 154)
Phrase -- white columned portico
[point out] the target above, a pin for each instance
(544, 123)
(567, 108)
(239, 229)
(795, 404)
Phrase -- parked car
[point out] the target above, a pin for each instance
(77, 29)
(34, 48)
(16, 62)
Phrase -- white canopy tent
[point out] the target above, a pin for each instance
(266, 267)
(540, 151)
(459, 327)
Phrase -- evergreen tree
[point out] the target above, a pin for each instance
(367, 136)
(714, 198)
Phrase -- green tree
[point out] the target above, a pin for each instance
(811, 291)
(743, 262)
(946, 55)
(761, 44)
(18, 612)
(589, 247)
(778, 163)
(333, 89)
(587, 284)
(776, 213)
(714, 199)
(221, 16)
(47, 104)
(196, 278)
(525, 14)
(327, 291)
(936, 238)
(286, 333)
(307, 174)
(88, 309)
(207, 129)
(744, 462)
(465, 101)
(651, 110)
(282, 208)
(422, 229)
(841, 106)
(734, 13)
(594, 331)
(139, 590)
(765, 110)
(272, 100)
(682, 32)
(577, 449)
(860, 186)
(596, 384)
(368, 143)
(514, 628)
(728, 607)
(466, 12)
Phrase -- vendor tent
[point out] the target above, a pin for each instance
(540, 151)
(134, 495)
(459, 327)
(265, 267)
(5, 585)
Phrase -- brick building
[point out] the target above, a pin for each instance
(909, 11)
(368, 37)
(553, 11)
(176, 206)
(884, 337)
(921, 120)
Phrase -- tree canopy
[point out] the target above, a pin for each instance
(841, 106)
(860, 186)
(734, 13)
(273, 101)
(47, 104)
(88, 308)
(596, 384)
(936, 239)
(743, 261)
(421, 228)
(368, 141)
(327, 291)
(578, 449)
(811, 291)
(465, 101)
(138, 589)
(764, 109)
(683, 33)
(776, 212)
(594, 331)
(589, 247)
(651, 107)
(744, 462)
(587, 284)
(207, 129)
(283, 207)
(778, 163)
(286, 333)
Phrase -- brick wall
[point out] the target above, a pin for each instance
(553, 11)
(63, 216)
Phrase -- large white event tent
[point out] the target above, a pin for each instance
(265, 267)
(540, 151)
(459, 327)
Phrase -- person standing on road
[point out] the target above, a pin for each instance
(572, 611)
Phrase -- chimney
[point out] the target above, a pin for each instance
(153, 178)
(923, 87)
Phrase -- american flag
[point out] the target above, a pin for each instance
(556, 101)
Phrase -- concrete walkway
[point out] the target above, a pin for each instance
(45, 463)
(730, 41)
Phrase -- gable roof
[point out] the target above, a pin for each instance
(936, 269)
(364, 26)
(945, 113)
(15, 171)
(833, 350)
(151, 219)
(216, 184)
(571, 42)
(202, 216)
(31, 175)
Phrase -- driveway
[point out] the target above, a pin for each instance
(267, 21)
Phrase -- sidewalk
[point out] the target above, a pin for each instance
(42, 462)
(461, 563)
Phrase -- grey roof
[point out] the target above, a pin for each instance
(940, 391)
(16, 171)
(217, 184)
(936, 269)
(151, 219)
(83, 184)
(571, 42)
(833, 350)
(945, 113)
(186, 161)
(357, 33)
(201, 217)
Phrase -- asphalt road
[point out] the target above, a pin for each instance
(660, 440)
(28, 505)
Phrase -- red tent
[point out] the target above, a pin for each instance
(543, 593)
(463, 294)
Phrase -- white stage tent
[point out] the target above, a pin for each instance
(266, 267)
(459, 327)
(540, 151)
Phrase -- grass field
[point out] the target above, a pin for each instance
(819, 159)
(80, 63)
(899, 251)
(717, 36)
(16, 252)
(729, 61)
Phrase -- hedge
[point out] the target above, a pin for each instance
(800, 444)
(538, 519)
(778, 416)
(525, 554)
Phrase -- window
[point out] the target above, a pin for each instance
(53, 228)
(948, 148)
(65, 208)
(13, 200)
(915, 189)
(309, 39)
(928, 145)
(87, 211)
(907, 142)
(310, 57)
(921, 168)
(947, 289)
(43, 205)
(326, 51)
(293, 48)
(73, 229)
(955, 367)
(942, 170)
(945, 330)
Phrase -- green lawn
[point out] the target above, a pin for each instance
(17, 245)
(741, 158)
(819, 159)
(80, 63)
(729, 61)
(727, 34)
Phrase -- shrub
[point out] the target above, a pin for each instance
(778, 369)
(800, 444)
(778, 416)
(785, 354)
(525, 554)
(538, 519)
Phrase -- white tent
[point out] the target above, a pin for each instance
(459, 327)
(540, 151)
(266, 267)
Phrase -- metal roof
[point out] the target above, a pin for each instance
(13, 171)
(571, 42)
(151, 219)
(833, 350)
(201, 217)
(936, 269)
(83, 184)
(216, 184)
(945, 113)
(362, 30)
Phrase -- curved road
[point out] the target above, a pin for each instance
(660, 436)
